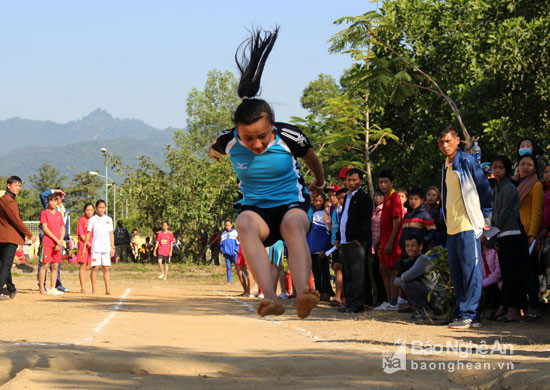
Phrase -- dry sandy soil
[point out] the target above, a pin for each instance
(193, 332)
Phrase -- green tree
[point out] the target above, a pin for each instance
(47, 178)
(490, 57)
(317, 92)
(84, 188)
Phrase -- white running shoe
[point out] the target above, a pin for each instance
(283, 295)
(53, 291)
(261, 296)
(161, 276)
(401, 301)
(382, 306)
(165, 278)
(392, 307)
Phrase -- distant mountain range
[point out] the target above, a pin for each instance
(75, 146)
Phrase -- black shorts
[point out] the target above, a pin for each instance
(165, 259)
(336, 258)
(274, 216)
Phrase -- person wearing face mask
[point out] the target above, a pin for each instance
(264, 155)
(528, 145)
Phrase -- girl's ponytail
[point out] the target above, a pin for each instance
(251, 56)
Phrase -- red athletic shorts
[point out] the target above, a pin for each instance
(241, 262)
(392, 259)
(84, 257)
(50, 255)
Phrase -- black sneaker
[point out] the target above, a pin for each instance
(13, 294)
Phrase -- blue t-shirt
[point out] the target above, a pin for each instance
(272, 178)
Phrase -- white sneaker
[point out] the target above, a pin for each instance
(165, 278)
(382, 306)
(161, 276)
(283, 295)
(401, 301)
(53, 291)
(392, 307)
(261, 296)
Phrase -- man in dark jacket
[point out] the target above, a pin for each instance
(352, 240)
(12, 233)
(122, 243)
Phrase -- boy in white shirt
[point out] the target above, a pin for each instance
(103, 244)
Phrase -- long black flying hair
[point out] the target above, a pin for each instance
(251, 56)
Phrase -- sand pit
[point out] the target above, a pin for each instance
(194, 332)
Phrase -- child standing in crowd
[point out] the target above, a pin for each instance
(403, 195)
(53, 227)
(545, 238)
(390, 233)
(337, 196)
(230, 247)
(531, 203)
(381, 296)
(418, 222)
(163, 247)
(100, 227)
(433, 202)
(84, 251)
(318, 240)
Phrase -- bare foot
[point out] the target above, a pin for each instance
(307, 301)
(268, 307)
(84, 291)
(107, 293)
(244, 294)
(93, 292)
(43, 292)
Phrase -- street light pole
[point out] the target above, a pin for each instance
(104, 153)
(114, 205)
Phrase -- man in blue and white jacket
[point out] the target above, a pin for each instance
(467, 205)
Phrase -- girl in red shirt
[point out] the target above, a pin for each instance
(84, 253)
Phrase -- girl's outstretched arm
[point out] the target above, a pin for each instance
(314, 165)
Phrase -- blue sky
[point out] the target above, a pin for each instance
(139, 59)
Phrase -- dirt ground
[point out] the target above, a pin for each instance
(192, 332)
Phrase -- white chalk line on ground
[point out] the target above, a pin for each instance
(249, 307)
(103, 323)
(96, 330)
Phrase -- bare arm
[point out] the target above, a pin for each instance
(314, 165)
(394, 232)
(112, 236)
(214, 153)
(155, 248)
